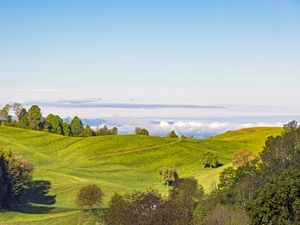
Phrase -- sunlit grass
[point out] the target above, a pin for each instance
(122, 163)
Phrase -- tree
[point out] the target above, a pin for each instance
(76, 127)
(4, 114)
(200, 214)
(139, 208)
(210, 160)
(4, 183)
(66, 129)
(15, 176)
(222, 215)
(114, 131)
(278, 201)
(20, 173)
(141, 131)
(172, 134)
(186, 193)
(242, 157)
(35, 118)
(17, 108)
(281, 152)
(87, 132)
(54, 124)
(89, 196)
(103, 131)
(168, 175)
(23, 121)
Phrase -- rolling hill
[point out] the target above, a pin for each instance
(121, 163)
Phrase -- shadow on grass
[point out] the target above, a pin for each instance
(37, 199)
(38, 193)
(30, 209)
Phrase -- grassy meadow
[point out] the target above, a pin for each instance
(121, 163)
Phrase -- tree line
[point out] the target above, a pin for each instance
(34, 120)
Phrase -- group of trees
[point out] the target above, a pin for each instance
(257, 190)
(151, 208)
(266, 188)
(143, 131)
(15, 176)
(34, 120)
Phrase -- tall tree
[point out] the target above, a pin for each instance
(66, 129)
(35, 118)
(4, 182)
(77, 127)
(278, 201)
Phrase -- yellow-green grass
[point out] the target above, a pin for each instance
(121, 163)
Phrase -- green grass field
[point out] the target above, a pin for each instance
(121, 163)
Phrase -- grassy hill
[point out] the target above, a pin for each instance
(121, 163)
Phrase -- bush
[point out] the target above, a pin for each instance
(141, 131)
(168, 175)
(210, 160)
(89, 196)
(172, 134)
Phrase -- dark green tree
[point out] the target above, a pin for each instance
(15, 177)
(278, 201)
(35, 119)
(20, 174)
(54, 124)
(77, 127)
(187, 193)
(66, 129)
(4, 184)
(23, 122)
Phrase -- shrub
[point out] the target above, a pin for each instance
(89, 196)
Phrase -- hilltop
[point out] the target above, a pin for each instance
(119, 163)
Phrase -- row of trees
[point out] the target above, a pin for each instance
(143, 131)
(34, 120)
(15, 177)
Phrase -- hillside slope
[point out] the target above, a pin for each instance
(121, 163)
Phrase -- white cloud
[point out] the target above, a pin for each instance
(197, 129)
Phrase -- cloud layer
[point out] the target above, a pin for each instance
(188, 128)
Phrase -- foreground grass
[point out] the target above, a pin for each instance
(122, 163)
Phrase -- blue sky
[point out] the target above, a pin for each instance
(158, 51)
